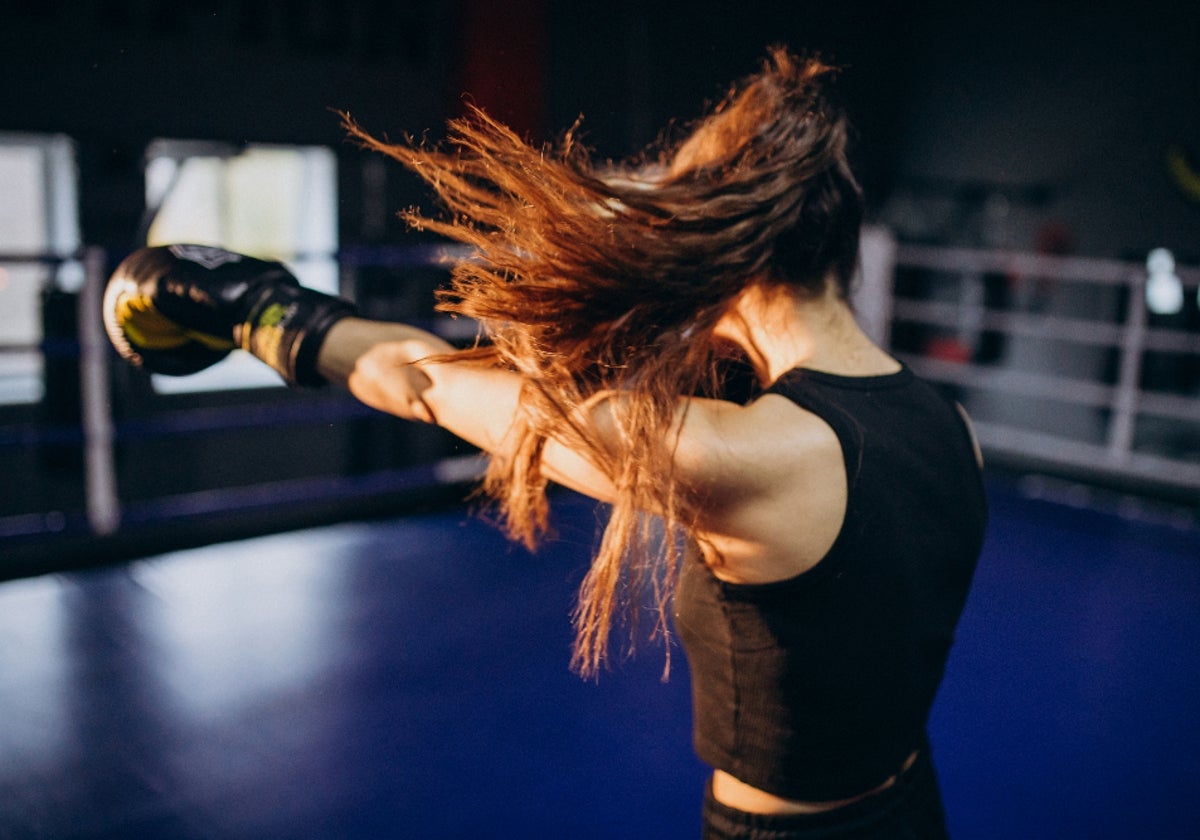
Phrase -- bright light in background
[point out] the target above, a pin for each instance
(1164, 290)
(271, 202)
(39, 216)
(190, 194)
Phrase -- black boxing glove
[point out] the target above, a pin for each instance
(178, 309)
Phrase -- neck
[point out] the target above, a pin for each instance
(780, 331)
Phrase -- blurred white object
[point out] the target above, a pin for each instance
(1164, 290)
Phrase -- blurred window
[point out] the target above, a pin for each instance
(39, 237)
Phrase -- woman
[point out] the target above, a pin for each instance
(817, 541)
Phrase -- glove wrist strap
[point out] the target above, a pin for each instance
(286, 327)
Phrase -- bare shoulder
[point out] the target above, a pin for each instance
(772, 480)
(732, 447)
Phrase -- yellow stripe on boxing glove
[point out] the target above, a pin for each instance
(148, 328)
(148, 339)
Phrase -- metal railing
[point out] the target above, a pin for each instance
(1119, 338)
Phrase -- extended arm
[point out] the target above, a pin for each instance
(736, 457)
(176, 309)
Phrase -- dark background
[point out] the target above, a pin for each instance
(1065, 109)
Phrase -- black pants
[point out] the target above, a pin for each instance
(911, 809)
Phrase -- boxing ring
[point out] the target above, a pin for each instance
(388, 666)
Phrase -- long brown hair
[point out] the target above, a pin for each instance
(597, 278)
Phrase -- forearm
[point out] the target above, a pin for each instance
(352, 339)
(396, 368)
(376, 362)
(392, 367)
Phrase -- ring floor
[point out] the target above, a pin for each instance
(408, 679)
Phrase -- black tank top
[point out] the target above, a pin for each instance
(819, 686)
